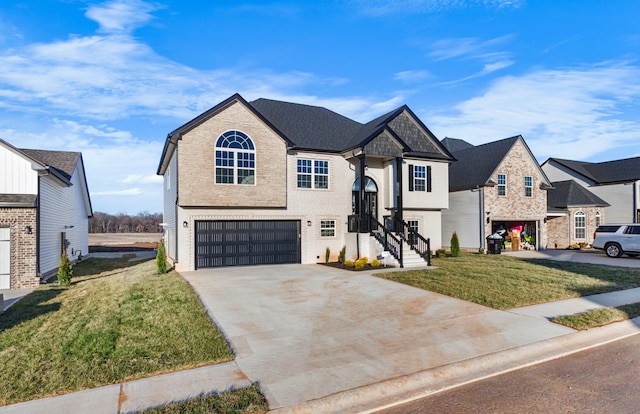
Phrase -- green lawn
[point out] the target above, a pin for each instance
(599, 317)
(504, 282)
(244, 401)
(117, 321)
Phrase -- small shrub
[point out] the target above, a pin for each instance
(455, 245)
(349, 263)
(161, 259)
(327, 254)
(375, 263)
(441, 253)
(583, 245)
(343, 254)
(360, 263)
(65, 271)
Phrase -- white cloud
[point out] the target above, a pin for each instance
(118, 193)
(378, 8)
(142, 179)
(568, 113)
(121, 16)
(412, 76)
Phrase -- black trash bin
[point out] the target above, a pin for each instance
(494, 244)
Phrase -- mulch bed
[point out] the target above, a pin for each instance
(339, 265)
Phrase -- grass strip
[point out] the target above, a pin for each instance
(505, 282)
(117, 321)
(599, 317)
(243, 401)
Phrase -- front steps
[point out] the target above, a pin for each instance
(411, 258)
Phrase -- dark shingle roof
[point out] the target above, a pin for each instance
(455, 144)
(571, 194)
(63, 161)
(309, 127)
(605, 172)
(18, 200)
(476, 164)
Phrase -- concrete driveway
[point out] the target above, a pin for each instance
(309, 331)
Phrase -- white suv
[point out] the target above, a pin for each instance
(618, 239)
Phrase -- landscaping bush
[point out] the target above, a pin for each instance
(375, 263)
(327, 253)
(455, 245)
(361, 263)
(343, 254)
(441, 253)
(349, 263)
(161, 259)
(65, 271)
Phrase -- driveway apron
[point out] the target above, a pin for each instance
(308, 331)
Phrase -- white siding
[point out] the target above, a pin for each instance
(170, 188)
(62, 206)
(438, 198)
(16, 174)
(463, 217)
(620, 196)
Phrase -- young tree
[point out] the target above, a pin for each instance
(455, 245)
(65, 271)
(161, 259)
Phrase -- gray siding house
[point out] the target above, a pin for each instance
(261, 182)
(44, 213)
(615, 182)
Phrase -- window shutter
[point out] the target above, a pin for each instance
(410, 177)
(428, 178)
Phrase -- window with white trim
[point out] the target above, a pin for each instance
(528, 186)
(327, 228)
(312, 173)
(580, 229)
(598, 218)
(235, 159)
(419, 178)
(502, 184)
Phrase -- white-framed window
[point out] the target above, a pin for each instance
(327, 228)
(580, 229)
(502, 184)
(528, 186)
(420, 178)
(413, 225)
(598, 218)
(312, 173)
(235, 159)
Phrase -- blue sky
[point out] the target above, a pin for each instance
(112, 78)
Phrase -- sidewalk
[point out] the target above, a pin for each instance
(481, 363)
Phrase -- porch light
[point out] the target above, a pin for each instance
(308, 223)
(185, 224)
(28, 230)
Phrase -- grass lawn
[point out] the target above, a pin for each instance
(244, 401)
(117, 321)
(504, 282)
(599, 317)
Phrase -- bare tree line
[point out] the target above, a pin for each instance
(143, 222)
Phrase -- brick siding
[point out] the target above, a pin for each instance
(24, 266)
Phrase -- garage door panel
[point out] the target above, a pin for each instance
(247, 242)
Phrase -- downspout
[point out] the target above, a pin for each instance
(38, 230)
(481, 203)
(175, 213)
(362, 158)
(635, 202)
(399, 216)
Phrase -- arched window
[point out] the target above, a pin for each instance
(598, 218)
(235, 159)
(579, 227)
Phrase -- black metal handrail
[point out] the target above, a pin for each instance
(415, 240)
(389, 242)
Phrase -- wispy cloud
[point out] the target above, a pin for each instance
(385, 7)
(118, 193)
(412, 76)
(142, 179)
(569, 113)
(121, 16)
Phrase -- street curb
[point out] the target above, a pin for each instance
(386, 394)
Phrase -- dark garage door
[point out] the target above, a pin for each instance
(247, 242)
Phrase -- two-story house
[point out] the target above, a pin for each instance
(615, 182)
(262, 182)
(495, 187)
(44, 213)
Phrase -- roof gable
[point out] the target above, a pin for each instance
(571, 194)
(455, 144)
(63, 161)
(607, 172)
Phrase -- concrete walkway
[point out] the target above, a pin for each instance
(319, 339)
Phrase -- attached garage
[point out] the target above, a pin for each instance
(246, 242)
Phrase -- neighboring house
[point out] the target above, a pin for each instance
(44, 212)
(616, 182)
(275, 182)
(493, 187)
(573, 214)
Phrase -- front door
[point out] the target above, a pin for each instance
(370, 198)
